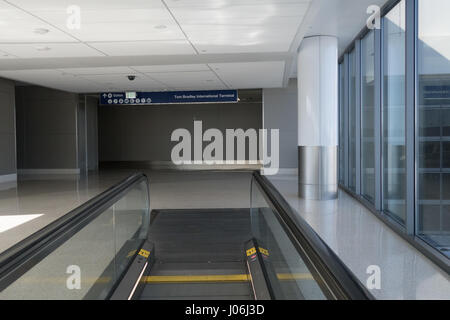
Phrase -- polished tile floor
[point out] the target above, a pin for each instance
(361, 240)
(358, 237)
(35, 201)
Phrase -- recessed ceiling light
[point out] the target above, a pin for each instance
(160, 27)
(41, 31)
(43, 48)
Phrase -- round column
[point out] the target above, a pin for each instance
(318, 118)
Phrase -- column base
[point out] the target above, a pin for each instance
(317, 172)
(317, 192)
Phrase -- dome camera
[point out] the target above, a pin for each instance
(131, 77)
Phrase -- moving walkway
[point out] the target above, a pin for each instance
(114, 247)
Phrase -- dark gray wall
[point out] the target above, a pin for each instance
(46, 128)
(142, 133)
(7, 128)
(92, 132)
(280, 112)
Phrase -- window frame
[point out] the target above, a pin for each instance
(409, 231)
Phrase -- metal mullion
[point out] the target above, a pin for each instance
(381, 119)
(410, 114)
(358, 116)
(377, 119)
(346, 119)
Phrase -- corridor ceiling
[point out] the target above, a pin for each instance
(92, 45)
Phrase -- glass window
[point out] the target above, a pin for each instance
(433, 194)
(352, 121)
(341, 125)
(394, 113)
(368, 117)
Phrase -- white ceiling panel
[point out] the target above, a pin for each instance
(50, 50)
(114, 20)
(121, 81)
(17, 26)
(199, 79)
(52, 79)
(144, 48)
(99, 71)
(61, 80)
(172, 68)
(343, 19)
(236, 27)
(275, 35)
(218, 4)
(55, 5)
(218, 30)
(258, 13)
(193, 87)
(251, 75)
(5, 55)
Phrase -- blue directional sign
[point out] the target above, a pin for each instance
(168, 97)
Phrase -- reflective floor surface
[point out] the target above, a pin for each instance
(354, 233)
(37, 200)
(361, 240)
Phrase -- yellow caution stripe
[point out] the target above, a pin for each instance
(220, 278)
(294, 276)
(144, 253)
(131, 253)
(251, 251)
(196, 278)
(173, 279)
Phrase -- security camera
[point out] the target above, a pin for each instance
(131, 77)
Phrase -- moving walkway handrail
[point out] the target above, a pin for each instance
(334, 275)
(18, 259)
